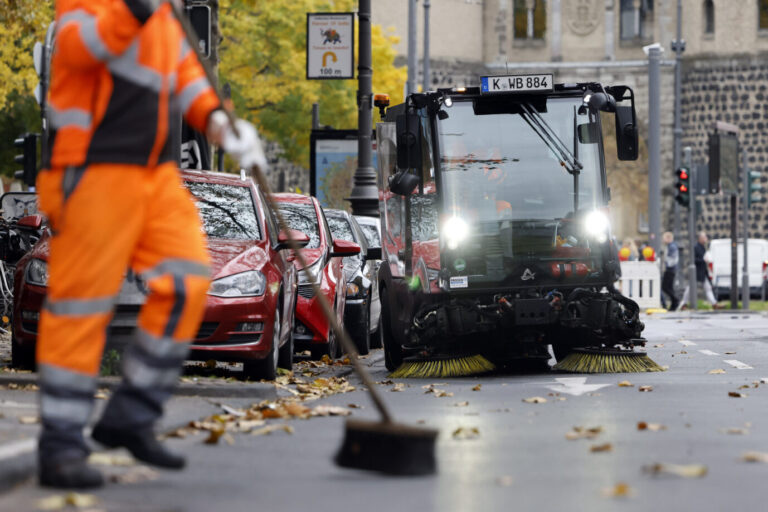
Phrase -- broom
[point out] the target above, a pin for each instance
(443, 367)
(595, 360)
(384, 445)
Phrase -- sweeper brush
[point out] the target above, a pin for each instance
(443, 367)
(584, 360)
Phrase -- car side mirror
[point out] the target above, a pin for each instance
(408, 131)
(31, 221)
(403, 183)
(299, 237)
(626, 133)
(373, 253)
(343, 248)
(588, 133)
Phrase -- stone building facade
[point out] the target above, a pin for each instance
(725, 72)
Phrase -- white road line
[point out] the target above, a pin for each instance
(708, 352)
(686, 343)
(574, 386)
(10, 450)
(737, 364)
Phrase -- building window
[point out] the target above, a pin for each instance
(709, 17)
(530, 19)
(636, 21)
(762, 18)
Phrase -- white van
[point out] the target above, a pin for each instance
(720, 265)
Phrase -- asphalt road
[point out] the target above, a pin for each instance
(520, 458)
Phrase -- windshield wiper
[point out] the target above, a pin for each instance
(545, 132)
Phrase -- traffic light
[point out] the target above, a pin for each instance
(683, 187)
(200, 18)
(28, 158)
(753, 188)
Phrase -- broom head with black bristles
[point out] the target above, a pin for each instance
(389, 448)
(443, 367)
(594, 360)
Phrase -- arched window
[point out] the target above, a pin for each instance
(636, 19)
(530, 19)
(709, 17)
(762, 14)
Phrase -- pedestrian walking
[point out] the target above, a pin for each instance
(671, 260)
(702, 275)
(122, 75)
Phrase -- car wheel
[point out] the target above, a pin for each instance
(22, 358)
(266, 368)
(285, 357)
(363, 341)
(393, 352)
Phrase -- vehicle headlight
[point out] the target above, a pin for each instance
(597, 224)
(455, 231)
(37, 272)
(313, 271)
(244, 284)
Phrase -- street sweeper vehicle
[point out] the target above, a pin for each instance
(495, 237)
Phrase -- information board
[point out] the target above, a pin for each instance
(330, 46)
(333, 162)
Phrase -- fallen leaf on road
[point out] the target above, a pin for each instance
(387, 382)
(729, 353)
(735, 431)
(101, 395)
(755, 457)
(248, 425)
(466, 433)
(272, 428)
(653, 427)
(683, 352)
(330, 410)
(73, 499)
(111, 459)
(535, 400)
(716, 372)
(620, 490)
(583, 433)
(135, 475)
(682, 470)
(354, 406)
(305, 353)
(326, 359)
(505, 481)
(600, 448)
(439, 393)
(734, 394)
(297, 409)
(477, 388)
(28, 420)
(461, 404)
(645, 389)
(626, 384)
(658, 345)
(398, 387)
(744, 386)
(214, 435)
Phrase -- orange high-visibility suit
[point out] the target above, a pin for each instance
(121, 78)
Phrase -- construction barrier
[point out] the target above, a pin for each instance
(641, 282)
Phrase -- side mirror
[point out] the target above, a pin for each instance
(408, 142)
(600, 101)
(343, 248)
(299, 237)
(403, 183)
(626, 133)
(588, 133)
(373, 253)
(31, 221)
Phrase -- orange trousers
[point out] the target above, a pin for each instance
(105, 219)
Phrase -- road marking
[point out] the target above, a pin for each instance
(737, 364)
(11, 450)
(708, 352)
(574, 386)
(686, 343)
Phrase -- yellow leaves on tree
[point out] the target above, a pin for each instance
(263, 57)
(22, 22)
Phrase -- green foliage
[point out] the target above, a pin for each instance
(263, 57)
(110, 363)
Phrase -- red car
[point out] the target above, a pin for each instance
(251, 301)
(323, 254)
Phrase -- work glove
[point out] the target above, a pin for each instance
(245, 147)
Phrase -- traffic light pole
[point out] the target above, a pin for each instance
(692, 289)
(745, 222)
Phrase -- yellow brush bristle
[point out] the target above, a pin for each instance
(443, 368)
(580, 362)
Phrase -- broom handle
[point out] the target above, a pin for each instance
(338, 330)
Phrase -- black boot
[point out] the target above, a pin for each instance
(141, 443)
(69, 474)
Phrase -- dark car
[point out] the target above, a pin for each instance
(251, 301)
(361, 316)
(323, 256)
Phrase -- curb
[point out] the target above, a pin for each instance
(204, 387)
(17, 471)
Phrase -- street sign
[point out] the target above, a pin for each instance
(330, 46)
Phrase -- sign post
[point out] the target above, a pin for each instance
(330, 46)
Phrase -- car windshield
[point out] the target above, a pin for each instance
(371, 235)
(227, 211)
(340, 227)
(302, 217)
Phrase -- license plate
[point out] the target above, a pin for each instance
(516, 83)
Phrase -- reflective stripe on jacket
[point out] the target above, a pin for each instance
(120, 82)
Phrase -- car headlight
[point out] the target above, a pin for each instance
(313, 271)
(455, 231)
(597, 224)
(244, 284)
(37, 272)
